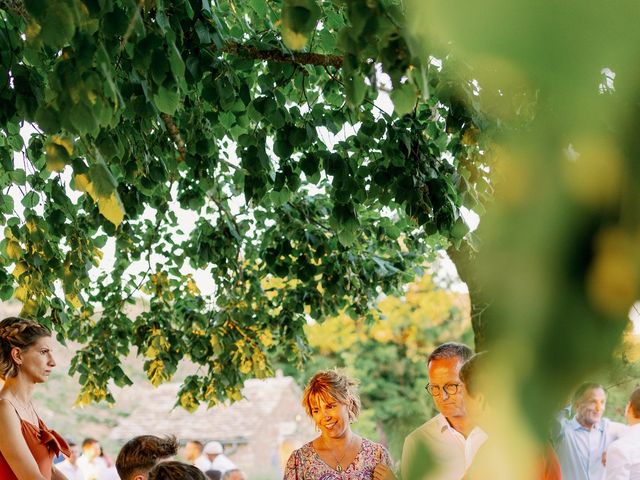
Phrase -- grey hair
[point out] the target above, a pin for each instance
(17, 332)
(451, 350)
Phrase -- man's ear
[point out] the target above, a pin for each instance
(140, 477)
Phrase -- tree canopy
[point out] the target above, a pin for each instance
(252, 142)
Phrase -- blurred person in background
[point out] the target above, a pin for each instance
(27, 446)
(583, 440)
(68, 467)
(91, 464)
(235, 474)
(140, 454)
(214, 458)
(623, 455)
(443, 448)
(331, 400)
(192, 451)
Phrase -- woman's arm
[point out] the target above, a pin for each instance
(14, 447)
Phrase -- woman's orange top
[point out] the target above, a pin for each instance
(44, 445)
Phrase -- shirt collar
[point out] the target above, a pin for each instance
(575, 424)
(445, 426)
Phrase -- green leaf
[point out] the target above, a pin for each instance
(404, 99)
(355, 89)
(57, 26)
(166, 100)
(31, 199)
(299, 19)
(18, 176)
(102, 180)
(82, 119)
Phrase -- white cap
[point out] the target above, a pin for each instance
(213, 448)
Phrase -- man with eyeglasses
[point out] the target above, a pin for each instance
(443, 447)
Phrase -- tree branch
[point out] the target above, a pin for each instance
(174, 133)
(278, 56)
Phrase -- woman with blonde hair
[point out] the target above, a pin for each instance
(27, 446)
(331, 400)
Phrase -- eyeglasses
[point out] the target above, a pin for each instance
(435, 390)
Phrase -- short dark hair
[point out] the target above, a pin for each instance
(450, 350)
(175, 470)
(213, 474)
(584, 388)
(141, 453)
(471, 373)
(634, 401)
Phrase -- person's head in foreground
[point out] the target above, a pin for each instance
(173, 470)
(331, 400)
(140, 454)
(632, 410)
(445, 386)
(472, 375)
(25, 351)
(589, 402)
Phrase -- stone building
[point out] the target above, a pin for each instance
(258, 433)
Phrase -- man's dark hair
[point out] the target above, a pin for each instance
(140, 454)
(174, 470)
(450, 350)
(88, 441)
(635, 403)
(584, 388)
(471, 373)
(213, 474)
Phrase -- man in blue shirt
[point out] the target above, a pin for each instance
(583, 440)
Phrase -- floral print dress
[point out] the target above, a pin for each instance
(306, 464)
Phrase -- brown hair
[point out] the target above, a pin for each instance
(472, 373)
(140, 454)
(174, 470)
(332, 383)
(21, 333)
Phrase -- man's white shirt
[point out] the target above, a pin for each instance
(451, 451)
(220, 463)
(623, 456)
(71, 472)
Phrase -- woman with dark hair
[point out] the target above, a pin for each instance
(27, 446)
(331, 400)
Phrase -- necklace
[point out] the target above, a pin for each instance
(27, 408)
(338, 460)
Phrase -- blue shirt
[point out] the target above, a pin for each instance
(580, 450)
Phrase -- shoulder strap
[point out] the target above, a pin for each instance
(13, 406)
